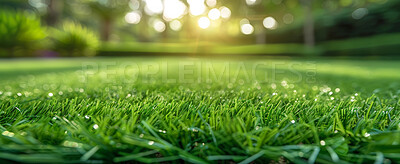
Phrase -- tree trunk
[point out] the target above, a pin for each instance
(105, 30)
(308, 29)
(260, 34)
(55, 8)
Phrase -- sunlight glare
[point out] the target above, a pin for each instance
(214, 14)
(270, 23)
(204, 22)
(173, 9)
(247, 29)
(175, 25)
(133, 17)
(211, 3)
(159, 25)
(153, 7)
(251, 2)
(244, 21)
(225, 12)
(197, 7)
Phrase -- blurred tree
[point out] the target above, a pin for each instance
(308, 28)
(15, 4)
(55, 9)
(107, 11)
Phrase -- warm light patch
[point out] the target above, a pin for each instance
(247, 29)
(159, 25)
(153, 7)
(270, 23)
(214, 14)
(173, 9)
(225, 12)
(175, 25)
(197, 7)
(251, 2)
(133, 17)
(204, 22)
(211, 3)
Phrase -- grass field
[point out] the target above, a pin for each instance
(94, 110)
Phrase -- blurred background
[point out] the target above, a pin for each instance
(61, 28)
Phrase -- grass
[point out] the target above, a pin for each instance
(174, 110)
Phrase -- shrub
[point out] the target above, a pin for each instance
(74, 40)
(19, 33)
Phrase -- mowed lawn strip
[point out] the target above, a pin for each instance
(192, 110)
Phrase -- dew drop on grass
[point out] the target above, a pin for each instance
(367, 134)
(356, 94)
(1, 92)
(283, 83)
(87, 117)
(335, 131)
(95, 126)
(322, 142)
(151, 142)
(293, 121)
(315, 88)
(8, 134)
(273, 94)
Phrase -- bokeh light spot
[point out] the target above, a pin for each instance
(247, 29)
(214, 14)
(204, 22)
(288, 18)
(251, 2)
(197, 7)
(211, 3)
(270, 23)
(159, 25)
(153, 7)
(173, 9)
(359, 13)
(133, 17)
(175, 25)
(225, 12)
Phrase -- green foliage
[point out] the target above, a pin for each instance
(74, 40)
(349, 114)
(19, 32)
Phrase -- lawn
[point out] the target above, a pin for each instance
(168, 109)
